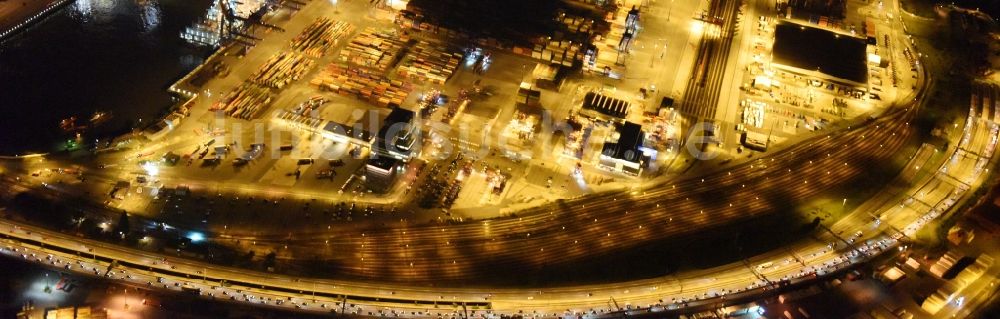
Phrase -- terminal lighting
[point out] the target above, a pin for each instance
(397, 4)
(762, 81)
(758, 309)
(151, 168)
(195, 237)
(697, 27)
(874, 59)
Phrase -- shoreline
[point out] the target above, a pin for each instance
(185, 97)
(23, 16)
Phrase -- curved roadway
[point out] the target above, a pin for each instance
(570, 232)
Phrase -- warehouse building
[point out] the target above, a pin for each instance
(396, 143)
(822, 56)
(625, 154)
(397, 136)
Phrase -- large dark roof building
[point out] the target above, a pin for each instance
(820, 53)
(396, 142)
(625, 154)
(397, 136)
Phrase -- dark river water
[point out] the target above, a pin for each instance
(117, 56)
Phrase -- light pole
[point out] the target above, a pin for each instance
(48, 284)
(670, 9)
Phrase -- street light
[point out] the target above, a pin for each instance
(48, 284)
(670, 9)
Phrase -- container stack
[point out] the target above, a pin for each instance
(577, 24)
(245, 101)
(374, 49)
(565, 46)
(363, 84)
(319, 36)
(61, 313)
(429, 62)
(557, 52)
(88, 313)
(281, 69)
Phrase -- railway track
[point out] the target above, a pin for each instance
(701, 97)
(573, 230)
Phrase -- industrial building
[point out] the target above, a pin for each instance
(395, 144)
(626, 154)
(824, 56)
(397, 136)
(603, 106)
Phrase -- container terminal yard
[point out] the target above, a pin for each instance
(542, 159)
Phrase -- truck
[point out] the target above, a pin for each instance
(253, 153)
(327, 173)
(188, 288)
(799, 294)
